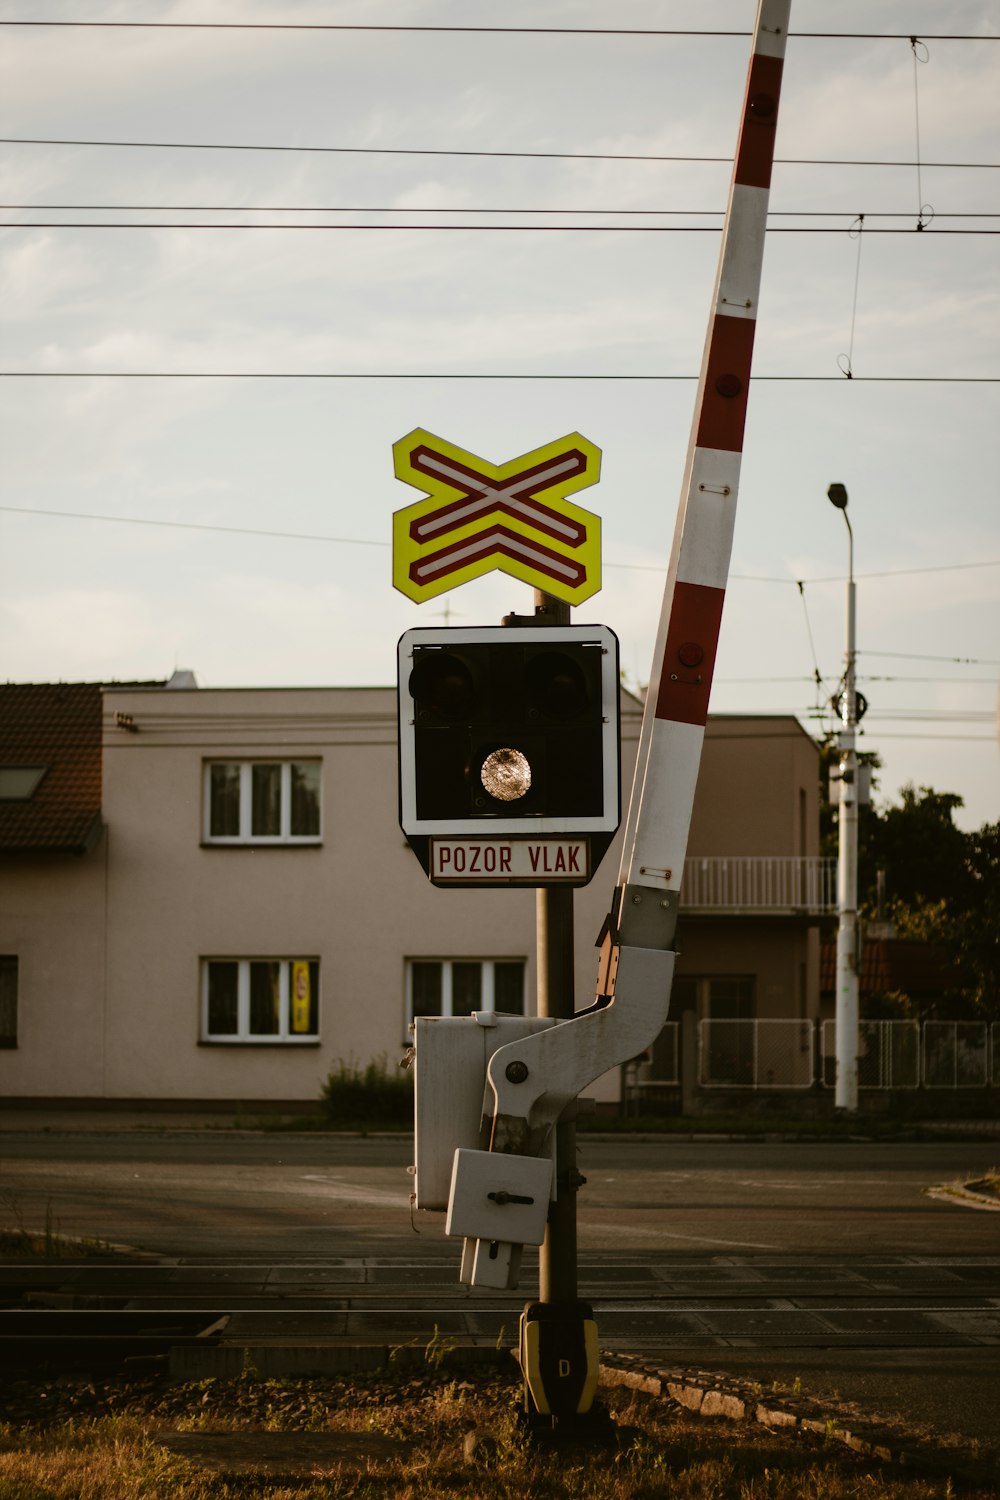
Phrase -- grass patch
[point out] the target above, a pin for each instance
(87, 1440)
(20, 1242)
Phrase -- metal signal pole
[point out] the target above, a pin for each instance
(557, 1264)
(846, 1003)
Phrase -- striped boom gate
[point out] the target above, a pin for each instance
(534, 1078)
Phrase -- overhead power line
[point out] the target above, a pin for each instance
(886, 36)
(477, 375)
(795, 161)
(288, 536)
(295, 536)
(285, 208)
(928, 229)
(964, 661)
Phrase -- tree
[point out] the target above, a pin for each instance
(918, 845)
(942, 886)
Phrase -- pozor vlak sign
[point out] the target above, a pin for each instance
(509, 752)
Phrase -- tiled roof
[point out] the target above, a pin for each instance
(58, 726)
(893, 966)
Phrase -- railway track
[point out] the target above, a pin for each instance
(208, 1313)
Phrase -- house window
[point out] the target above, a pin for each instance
(260, 1000)
(262, 802)
(19, 783)
(458, 986)
(8, 1000)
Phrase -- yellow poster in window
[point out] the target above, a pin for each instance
(301, 997)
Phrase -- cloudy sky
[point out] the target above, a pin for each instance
(270, 479)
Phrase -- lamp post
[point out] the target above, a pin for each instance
(846, 1005)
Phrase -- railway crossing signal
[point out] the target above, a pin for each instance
(477, 516)
(509, 752)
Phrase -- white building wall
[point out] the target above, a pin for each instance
(359, 903)
(52, 910)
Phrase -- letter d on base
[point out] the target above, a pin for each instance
(559, 1357)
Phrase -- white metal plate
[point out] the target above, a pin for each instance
(484, 1187)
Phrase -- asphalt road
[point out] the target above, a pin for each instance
(204, 1192)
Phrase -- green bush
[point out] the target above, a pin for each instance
(376, 1095)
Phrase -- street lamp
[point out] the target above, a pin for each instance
(846, 1003)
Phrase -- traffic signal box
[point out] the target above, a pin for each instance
(509, 752)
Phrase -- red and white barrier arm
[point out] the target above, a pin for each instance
(553, 1066)
(673, 726)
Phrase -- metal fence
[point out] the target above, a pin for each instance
(776, 1054)
(795, 1054)
(759, 883)
(888, 1054)
(956, 1055)
(646, 1077)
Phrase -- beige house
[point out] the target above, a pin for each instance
(205, 894)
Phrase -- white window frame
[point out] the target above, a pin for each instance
(243, 1036)
(246, 835)
(487, 965)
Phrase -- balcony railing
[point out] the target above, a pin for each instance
(760, 884)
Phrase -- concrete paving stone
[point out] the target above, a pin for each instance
(413, 1275)
(225, 1303)
(877, 1301)
(266, 1328)
(317, 1276)
(651, 1324)
(618, 1272)
(698, 1302)
(697, 1276)
(857, 1320)
(215, 1276)
(959, 1265)
(825, 1342)
(400, 1326)
(982, 1324)
(755, 1324)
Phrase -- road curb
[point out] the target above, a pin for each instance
(707, 1395)
(964, 1195)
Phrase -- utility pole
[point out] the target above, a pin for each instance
(846, 1011)
(557, 1262)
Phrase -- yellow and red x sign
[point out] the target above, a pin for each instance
(477, 516)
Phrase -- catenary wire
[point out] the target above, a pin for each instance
(475, 375)
(862, 677)
(969, 661)
(473, 228)
(954, 36)
(77, 515)
(281, 208)
(795, 161)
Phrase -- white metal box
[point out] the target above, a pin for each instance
(452, 1055)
